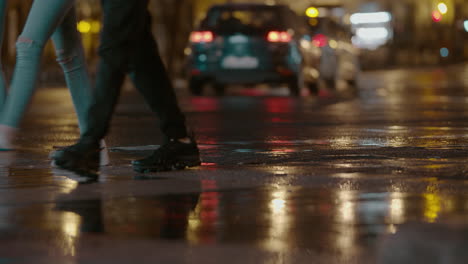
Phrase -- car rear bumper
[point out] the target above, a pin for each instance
(247, 76)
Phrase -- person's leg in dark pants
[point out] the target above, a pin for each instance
(151, 79)
(149, 75)
(109, 81)
(130, 47)
(127, 45)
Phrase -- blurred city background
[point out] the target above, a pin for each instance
(288, 176)
(416, 33)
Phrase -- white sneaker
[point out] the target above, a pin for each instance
(7, 137)
(104, 154)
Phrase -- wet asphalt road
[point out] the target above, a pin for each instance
(377, 177)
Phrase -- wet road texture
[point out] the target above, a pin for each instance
(380, 176)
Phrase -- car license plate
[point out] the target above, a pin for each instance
(236, 62)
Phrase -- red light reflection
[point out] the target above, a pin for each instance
(209, 202)
(279, 105)
(205, 104)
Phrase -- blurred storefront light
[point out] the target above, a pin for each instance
(372, 33)
(89, 26)
(84, 26)
(95, 27)
(312, 12)
(313, 22)
(444, 52)
(465, 25)
(442, 7)
(436, 16)
(371, 29)
(370, 18)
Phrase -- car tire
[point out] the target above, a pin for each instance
(196, 87)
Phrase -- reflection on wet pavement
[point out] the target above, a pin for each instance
(327, 221)
(283, 180)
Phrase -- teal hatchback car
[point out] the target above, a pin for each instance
(252, 44)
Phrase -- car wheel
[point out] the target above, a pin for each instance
(196, 87)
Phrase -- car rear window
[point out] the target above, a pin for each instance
(244, 19)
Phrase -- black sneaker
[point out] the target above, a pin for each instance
(80, 158)
(173, 155)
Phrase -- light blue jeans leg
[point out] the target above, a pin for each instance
(70, 55)
(45, 17)
(3, 9)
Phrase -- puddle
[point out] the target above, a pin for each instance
(278, 218)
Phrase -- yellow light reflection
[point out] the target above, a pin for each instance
(432, 206)
(84, 26)
(278, 205)
(392, 229)
(68, 186)
(398, 142)
(346, 206)
(95, 26)
(194, 224)
(397, 208)
(202, 219)
(70, 225)
(346, 217)
(348, 175)
(278, 236)
(282, 171)
(343, 142)
(347, 212)
(398, 128)
(436, 166)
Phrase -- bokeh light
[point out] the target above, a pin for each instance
(444, 52)
(436, 16)
(312, 12)
(442, 8)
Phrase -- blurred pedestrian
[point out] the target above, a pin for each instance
(55, 19)
(128, 46)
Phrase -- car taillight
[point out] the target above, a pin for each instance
(320, 40)
(279, 36)
(201, 37)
